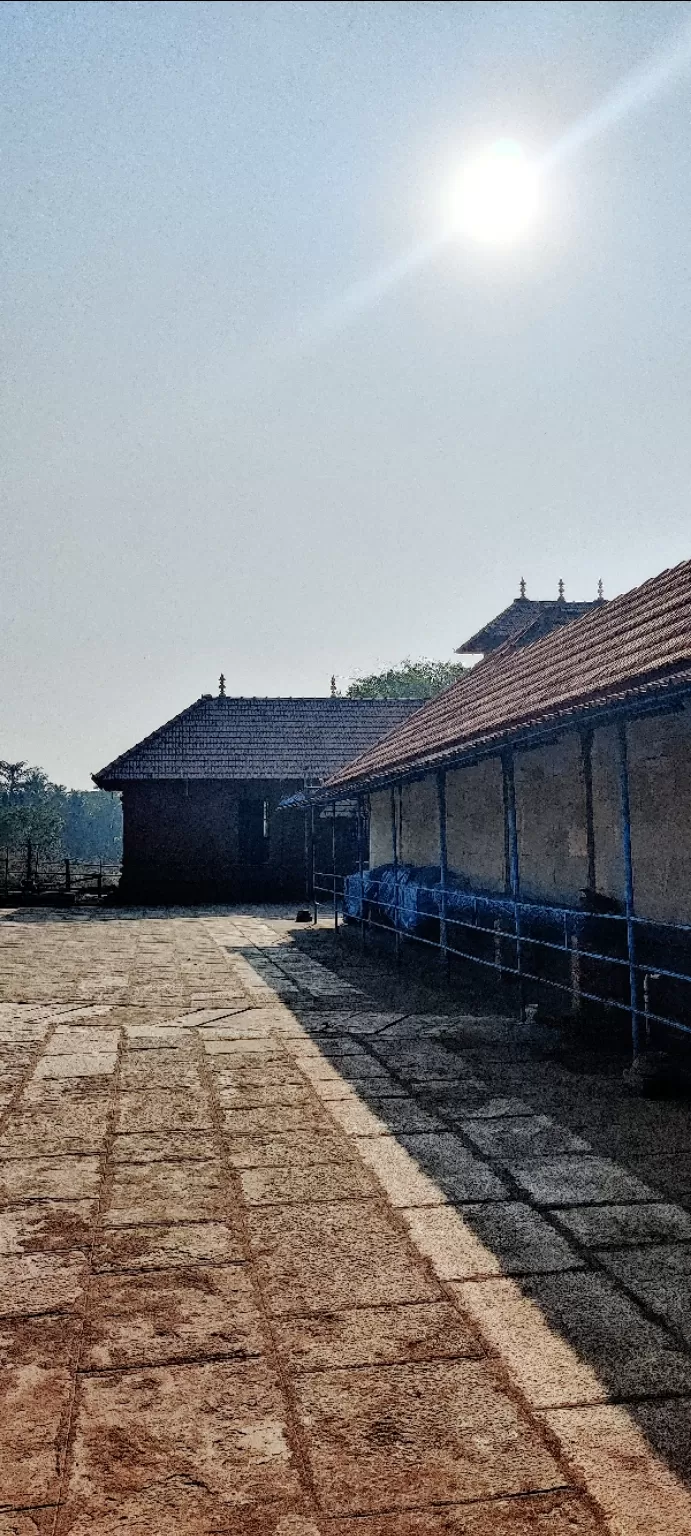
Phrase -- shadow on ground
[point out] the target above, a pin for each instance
(577, 1190)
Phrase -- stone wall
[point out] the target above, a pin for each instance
(551, 819)
(380, 838)
(475, 824)
(182, 842)
(420, 822)
(660, 789)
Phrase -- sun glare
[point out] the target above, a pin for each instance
(495, 197)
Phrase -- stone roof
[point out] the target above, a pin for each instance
(226, 738)
(621, 652)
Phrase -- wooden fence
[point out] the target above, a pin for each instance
(26, 873)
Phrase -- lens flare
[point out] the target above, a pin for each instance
(495, 199)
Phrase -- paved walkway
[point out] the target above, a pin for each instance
(276, 1261)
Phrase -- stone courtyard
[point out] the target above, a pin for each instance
(293, 1245)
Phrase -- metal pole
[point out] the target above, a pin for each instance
(511, 834)
(575, 974)
(306, 832)
(313, 858)
(361, 866)
(587, 766)
(394, 848)
(333, 860)
(443, 867)
(625, 804)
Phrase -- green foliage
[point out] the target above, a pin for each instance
(92, 827)
(409, 680)
(59, 823)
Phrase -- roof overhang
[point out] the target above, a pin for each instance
(654, 699)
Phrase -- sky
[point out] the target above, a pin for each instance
(254, 416)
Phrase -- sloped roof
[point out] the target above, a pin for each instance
(224, 738)
(542, 616)
(634, 645)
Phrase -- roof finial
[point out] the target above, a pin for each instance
(600, 590)
(522, 586)
(333, 685)
(561, 588)
(221, 687)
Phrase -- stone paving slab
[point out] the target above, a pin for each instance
(163, 1192)
(158, 1316)
(262, 1096)
(660, 1277)
(47, 1226)
(548, 1514)
(508, 1238)
(317, 1181)
(163, 1246)
(315, 1258)
(386, 1335)
(156, 1111)
(84, 1064)
(580, 1180)
(46, 1342)
(301, 1148)
(49, 1178)
(34, 1417)
(511, 1142)
(460, 1175)
(42, 1282)
(35, 1522)
(624, 1225)
(276, 1117)
(57, 1128)
(302, 1271)
(169, 1071)
(163, 1146)
(391, 1437)
(217, 1429)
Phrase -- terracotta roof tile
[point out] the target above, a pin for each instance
(638, 642)
(224, 738)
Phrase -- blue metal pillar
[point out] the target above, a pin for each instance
(333, 861)
(625, 804)
(361, 864)
(511, 838)
(443, 867)
(394, 851)
(313, 862)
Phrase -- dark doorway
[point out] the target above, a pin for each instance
(253, 833)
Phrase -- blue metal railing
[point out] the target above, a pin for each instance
(377, 905)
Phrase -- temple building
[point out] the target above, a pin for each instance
(200, 795)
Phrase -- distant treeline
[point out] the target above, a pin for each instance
(79, 824)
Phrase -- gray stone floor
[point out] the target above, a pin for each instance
(293, 1244)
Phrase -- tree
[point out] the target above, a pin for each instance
(92, 825)
(58, 822)
(29, 809)
(409, 680)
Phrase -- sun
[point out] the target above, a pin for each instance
(495, 198)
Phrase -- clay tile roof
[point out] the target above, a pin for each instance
(636, 644)
(512, 621)
(224, 738)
